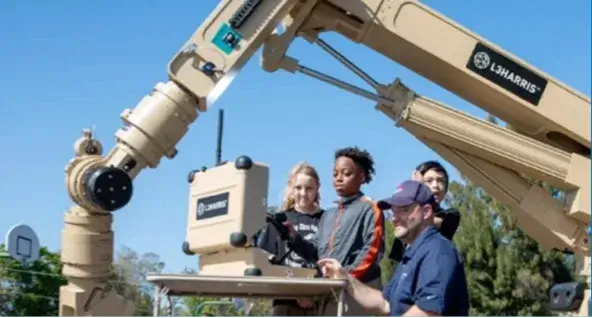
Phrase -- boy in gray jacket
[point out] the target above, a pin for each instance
(352, 231)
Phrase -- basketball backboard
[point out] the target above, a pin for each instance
(22, 243)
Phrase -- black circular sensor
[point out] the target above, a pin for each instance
(238, 239)
(253, 271)
(243, 163)
(110, 188)
(185, 248)
(209, 68)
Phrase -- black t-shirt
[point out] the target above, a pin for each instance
(307, 226)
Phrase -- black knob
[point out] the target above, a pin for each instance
(209, 68)
(243, 163)
(238, 239)
(254, 271)
(110, 188)
(185, 248)
(92, 150)
(191, 175)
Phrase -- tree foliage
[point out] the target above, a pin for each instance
(222, 307)
(128, 277)
(508, 273)
(33, 289)
(387, 265)
(30, 289)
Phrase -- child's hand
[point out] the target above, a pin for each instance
(292, 232)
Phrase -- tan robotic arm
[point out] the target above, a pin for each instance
(550, 139)
(198, 74)
(550, 135)
(546, 144)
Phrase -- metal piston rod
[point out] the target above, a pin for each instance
(342, 84)
(347, 63)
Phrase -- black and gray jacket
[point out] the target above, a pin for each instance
(352, 232)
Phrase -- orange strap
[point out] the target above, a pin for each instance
(374, 248)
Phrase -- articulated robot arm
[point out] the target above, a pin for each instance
(550, 140)
(98, 185)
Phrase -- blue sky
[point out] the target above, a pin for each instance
(72, 64)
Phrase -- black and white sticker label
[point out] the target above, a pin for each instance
(507, 74)
(212, 206)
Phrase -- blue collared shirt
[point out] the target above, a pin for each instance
(431, 276)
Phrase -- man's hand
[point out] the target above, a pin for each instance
(332, 268)
(368, 297)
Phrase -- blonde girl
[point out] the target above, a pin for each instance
(302, 190)
(302, 208)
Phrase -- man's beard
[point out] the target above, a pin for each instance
(409, 232)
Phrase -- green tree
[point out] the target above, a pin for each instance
(477, 240)
(209, 306)
(540, 268)
(30, 289)
(387, 265)
(129, 278)
(223, 306)
(258, 307)
(508, 273)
